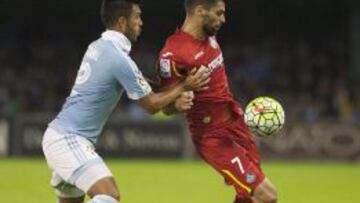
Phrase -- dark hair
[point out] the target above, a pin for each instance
(191, 4)
(112, 10)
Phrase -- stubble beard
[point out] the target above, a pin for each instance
(209, 31)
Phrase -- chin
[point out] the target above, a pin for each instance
(133, 38)
(211, 33)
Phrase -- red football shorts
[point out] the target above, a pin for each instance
(231, 150)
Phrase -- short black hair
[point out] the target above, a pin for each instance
(112, 10)
(191, 4)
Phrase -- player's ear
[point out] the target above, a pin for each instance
(122, 23)
(200, 10)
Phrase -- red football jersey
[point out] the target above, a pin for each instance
(181, 53)
(220, 141)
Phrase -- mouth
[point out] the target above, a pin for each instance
(217, 28)
(138, 33)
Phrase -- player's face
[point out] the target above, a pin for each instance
(134, 24)
(214, 18)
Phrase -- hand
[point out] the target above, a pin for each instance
(197, 80)
(185, 101)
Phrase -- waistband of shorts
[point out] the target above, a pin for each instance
(58, 130)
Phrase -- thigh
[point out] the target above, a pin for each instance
(74, 160)
(233, 162)
(65, 153)
(242, 135)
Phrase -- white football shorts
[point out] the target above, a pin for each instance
(75, 164)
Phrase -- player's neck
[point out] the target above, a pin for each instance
(193, 28)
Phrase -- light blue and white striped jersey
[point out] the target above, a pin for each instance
(105, 73)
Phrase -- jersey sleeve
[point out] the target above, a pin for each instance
(130, 77)
(170, 70)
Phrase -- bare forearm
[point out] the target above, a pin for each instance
(163, 99)
(158, 101)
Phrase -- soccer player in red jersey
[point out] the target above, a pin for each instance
(215, 119)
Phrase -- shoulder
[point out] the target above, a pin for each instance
(177, 48)
(111, 54)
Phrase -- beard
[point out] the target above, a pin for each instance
(132, 34)
(209, 31)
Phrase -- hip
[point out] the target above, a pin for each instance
(235, 130)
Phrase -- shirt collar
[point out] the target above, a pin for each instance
(120, 41)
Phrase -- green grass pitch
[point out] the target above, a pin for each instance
(158, 181)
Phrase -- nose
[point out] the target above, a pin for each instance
(141, 22)
(223, 19)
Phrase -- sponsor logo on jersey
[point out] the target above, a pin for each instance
(165, 68)
(198, 55)
(217, 62)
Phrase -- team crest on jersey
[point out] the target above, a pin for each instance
(250, 178)
(83, 73)
(165, 68)
(213, 42)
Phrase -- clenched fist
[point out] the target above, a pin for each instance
(185, 101)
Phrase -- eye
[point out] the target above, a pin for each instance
(220, 13)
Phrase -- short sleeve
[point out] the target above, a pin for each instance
(131, 78)
(170, 70)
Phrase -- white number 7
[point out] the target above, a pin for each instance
(238, 161)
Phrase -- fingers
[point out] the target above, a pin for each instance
(203, 85)
(202, 78)
(202, 88)
(204, 82)
(193, 71)
(184, 102)
(203, 73)
(189, 95)
(198, 80)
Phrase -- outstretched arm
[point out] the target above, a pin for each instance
(155, 102)
(181, 104)
(185, 101)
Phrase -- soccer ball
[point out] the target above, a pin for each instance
(264, 116)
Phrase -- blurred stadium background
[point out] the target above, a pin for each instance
(306, 54)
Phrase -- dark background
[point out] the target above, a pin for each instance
(300, 52)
